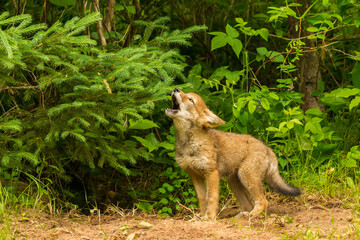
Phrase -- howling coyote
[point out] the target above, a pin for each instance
(207, 154)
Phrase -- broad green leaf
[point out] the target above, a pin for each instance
(143, 206)
(237, 46)
(345, 92)
(349, 163)
(218, 34)
(290, 125)
(265, 104)
(274, 96)
(146, 143)
(142, 124)
(218, 42)
(275, 56)
(244, 117)
(314, 111)
(297, 121)
(231, 32)
(272, 129)
(350, 182)
(312, 29)
(166, 145)
(264, 33)
(251, 106)
(332, 100)
(236, 112)
(354, 103)
(319, 90)
(261, 50)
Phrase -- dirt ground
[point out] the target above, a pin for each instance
(285, 219)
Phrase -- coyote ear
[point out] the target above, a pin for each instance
(211, 120)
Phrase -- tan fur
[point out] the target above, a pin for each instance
(207, 154)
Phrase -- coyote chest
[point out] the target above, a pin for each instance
(192, 155)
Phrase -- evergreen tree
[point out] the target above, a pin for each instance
(66, 102)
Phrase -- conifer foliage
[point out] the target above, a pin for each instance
(66, 102)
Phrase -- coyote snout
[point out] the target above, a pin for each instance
(207, 154)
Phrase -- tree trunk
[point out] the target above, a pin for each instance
(309, 75)
(109, 14)
(309, 64)
(99, 25)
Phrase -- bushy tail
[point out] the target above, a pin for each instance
(276, 182)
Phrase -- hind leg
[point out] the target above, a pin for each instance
(241, 193)
(252, 180)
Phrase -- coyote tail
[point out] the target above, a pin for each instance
(275, 181)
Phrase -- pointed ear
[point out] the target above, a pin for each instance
(211, 120)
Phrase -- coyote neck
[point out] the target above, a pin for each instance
(187, 132)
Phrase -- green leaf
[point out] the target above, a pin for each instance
(274, 96)
(251, 106)
(244, 117)
(265, 104)
(261, 51)
(345, 92)
(314, 111)
(349, 163)
(237, 46)
(236, 112)
(319, 90)
(354, 103)
(218, 42)
(146, 143)
(142, 124)
(312, 29)
(264, 33)
(231, 32)
(218, 34)
(272, 129)
(143, 206)
(275, 56)
(350, 182)
(297, 121)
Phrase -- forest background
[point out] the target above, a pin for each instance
(84, 85)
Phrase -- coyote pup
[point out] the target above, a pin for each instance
(207, 154)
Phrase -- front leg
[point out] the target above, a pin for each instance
(200, 189)
(212, 194)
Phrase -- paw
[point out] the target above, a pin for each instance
(243, 214)
(209, 217)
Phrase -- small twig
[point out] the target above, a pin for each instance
(196, 215)
(17, 88)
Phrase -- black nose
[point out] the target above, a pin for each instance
(176, 90)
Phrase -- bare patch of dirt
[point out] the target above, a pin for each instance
(289, 220)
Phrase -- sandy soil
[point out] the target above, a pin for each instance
(286, 219)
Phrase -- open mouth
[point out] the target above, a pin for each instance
(175, 107)
(175, 104)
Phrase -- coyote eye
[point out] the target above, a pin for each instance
(191, 100)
